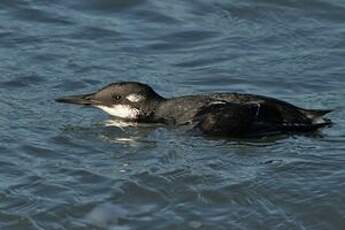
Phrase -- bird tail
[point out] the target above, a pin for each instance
(317, 116)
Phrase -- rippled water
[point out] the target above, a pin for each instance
(64, 167)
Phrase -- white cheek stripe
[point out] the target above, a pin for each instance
(122, 111)
(135, 97)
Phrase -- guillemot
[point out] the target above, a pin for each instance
(216, 114)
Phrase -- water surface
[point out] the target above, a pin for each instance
(64, 167)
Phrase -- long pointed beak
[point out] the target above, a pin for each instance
(85, 99)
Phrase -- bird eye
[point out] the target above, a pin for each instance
(117, 97)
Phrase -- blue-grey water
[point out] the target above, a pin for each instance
(65, 167)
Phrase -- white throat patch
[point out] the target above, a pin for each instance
(122, 111)
(135, 97)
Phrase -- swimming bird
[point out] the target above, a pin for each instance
(217, 114)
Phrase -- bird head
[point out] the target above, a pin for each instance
(131, 101)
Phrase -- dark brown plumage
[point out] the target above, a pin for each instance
(217, 114)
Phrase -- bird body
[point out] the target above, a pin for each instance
(217, 114)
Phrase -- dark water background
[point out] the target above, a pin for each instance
(62, 167)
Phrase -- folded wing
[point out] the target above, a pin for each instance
(257, 119)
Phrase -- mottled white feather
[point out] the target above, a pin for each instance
(319, 120)
(135, 97)
(122, 111)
